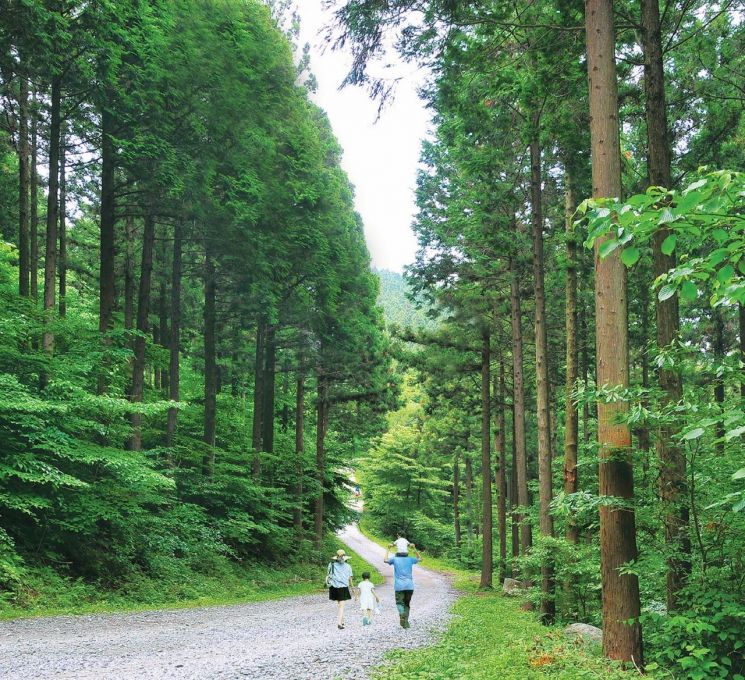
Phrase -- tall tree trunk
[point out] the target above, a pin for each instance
(210, 364)
(163, 331)
(487, 554)
(514, 516)
(175, 336)
(543, 397)
(129, 273)
(299, 448)
(521, 457)
(24, 278)
(62, 263)
(673, 480)
(50, 256)
(143, 311)
(269, 390)
(322, 408)
(571, 433)
(643, 434)
(501, 480)
(107, 289)
(34, 237)
(456, 500)
(258, 413)
(622, 636)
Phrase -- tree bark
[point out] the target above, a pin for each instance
(322, 408)
(175, 336)
(258, 413)
(487, 528)
(514, 516)
(107, 288)
(741, 325)
(24, 277)
(718, 345)
(163, 329)
(543, 398)
(34, 236)
(62, 262)
(622, 636)
(299, 448)
(50, 256)
(501, 480)
(143, 311)
(269, 384)
(469, 498)
(210, 365)
(456, 501)
(521, 458)
(571, 433)
(673, 480)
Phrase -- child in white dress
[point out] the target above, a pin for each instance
(368, 598)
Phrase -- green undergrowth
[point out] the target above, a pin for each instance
(47, 593)
(491, 637)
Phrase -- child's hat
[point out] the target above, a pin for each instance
(340, 555)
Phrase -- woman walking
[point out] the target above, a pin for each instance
(339, 581)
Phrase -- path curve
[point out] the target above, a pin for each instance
(293, 639)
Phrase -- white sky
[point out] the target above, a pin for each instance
(380, 158)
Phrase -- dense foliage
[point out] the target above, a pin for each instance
(182, 277)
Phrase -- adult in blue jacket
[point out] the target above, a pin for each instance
(403, 581)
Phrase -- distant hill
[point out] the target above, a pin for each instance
(397, 308)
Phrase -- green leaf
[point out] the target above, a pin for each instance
(739, 506)
(667, 217)
(668, 245)
(688, 291)
(725, 273)
(720, 235)
(737, 432)
(666, 292)
(630, 256)
(740, 474)
(694, 434)
(608, 247)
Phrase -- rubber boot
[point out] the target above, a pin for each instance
(405, 618)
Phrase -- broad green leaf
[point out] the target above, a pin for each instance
(694, 434)
(667, 217)
(740, 474)
(630, 256)
(666, 292)
(725, 273)
(668, 245)
(608, 247)
(688, 291)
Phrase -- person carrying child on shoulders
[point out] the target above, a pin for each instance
(401, 545)
(403, 579)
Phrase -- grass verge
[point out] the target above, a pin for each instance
(491, 637)
(47, 593)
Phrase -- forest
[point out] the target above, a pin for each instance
(196, 354)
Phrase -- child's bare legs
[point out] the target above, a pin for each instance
(367, 615)
(340, 613)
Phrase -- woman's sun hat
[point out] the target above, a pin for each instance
(340, 555)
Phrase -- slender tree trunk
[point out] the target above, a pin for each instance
(34, 237)
(501, 480)
(299, 448)
(269, 390)
(210, 364)
(519, 406)
(129, 273)
(543, 397)
(322, 409)
(487, 553)
(175, 337)
(622, 637)
(673, 476)
(643, 434)
(50, 261)
(456, 501)
(107, 289)
(62, 263)
(143, 311)
(258, 397)
(515, 517)
(163, 327)
(571, 433)
(24, 278)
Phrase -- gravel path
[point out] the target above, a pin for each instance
(294, 638)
